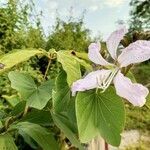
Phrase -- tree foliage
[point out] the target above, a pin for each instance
(140, 14)
(69, 35)
(16, 30)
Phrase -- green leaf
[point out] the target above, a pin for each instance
(19, 108)
(1, 124)
(7, 142)
(131, 76)
(40, 117)
(65, 126)
(3, 114)
(148, 101)
(13, 100)
(82, 55)
(83, 63)
(11, 59)
(100, 114)
(64, 108)
(39, 134)
(29, 140)
(36, 96)
(70, 65)
(61, 94)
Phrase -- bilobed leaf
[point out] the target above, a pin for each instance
(36, 96)
(70, 65)
(41, 95)
(61, 94)
(65, 126)
(22, 82)
(11, 59)
(7, 142)
(39, 134)
(100, 114)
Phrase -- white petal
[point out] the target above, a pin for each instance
(114, 40)
(135, 93)
(136, 52)
(91, 81)
(95, 56)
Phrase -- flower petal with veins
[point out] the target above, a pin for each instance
(114, 40)
(136, 52)
(91, 81)
(133, 92)
(95, 56)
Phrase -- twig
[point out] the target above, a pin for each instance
(25, 111)
(106, 146)
(7, 123)
(47, 68)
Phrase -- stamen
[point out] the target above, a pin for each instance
(108, 82)
(99, 82)
(106, 79)
(104, 82)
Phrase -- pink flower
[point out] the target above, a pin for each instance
(136, 52)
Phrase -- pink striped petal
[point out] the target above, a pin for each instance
(136, 52)
(114, 40)
(95, 56)
(91, 81)
(135, 93)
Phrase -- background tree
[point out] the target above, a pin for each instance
(69, 34)
(16, 29)
(140, 15)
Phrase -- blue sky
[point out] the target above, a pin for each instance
(100, 17)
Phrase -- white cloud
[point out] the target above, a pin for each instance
(114, 3)
(96, 5)
(2, 2)
(92, 5)
(52, 5)
(93, 8)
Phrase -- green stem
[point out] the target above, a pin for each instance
(147, 106)
(49, 63)
(7, 123)
(25, 111)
